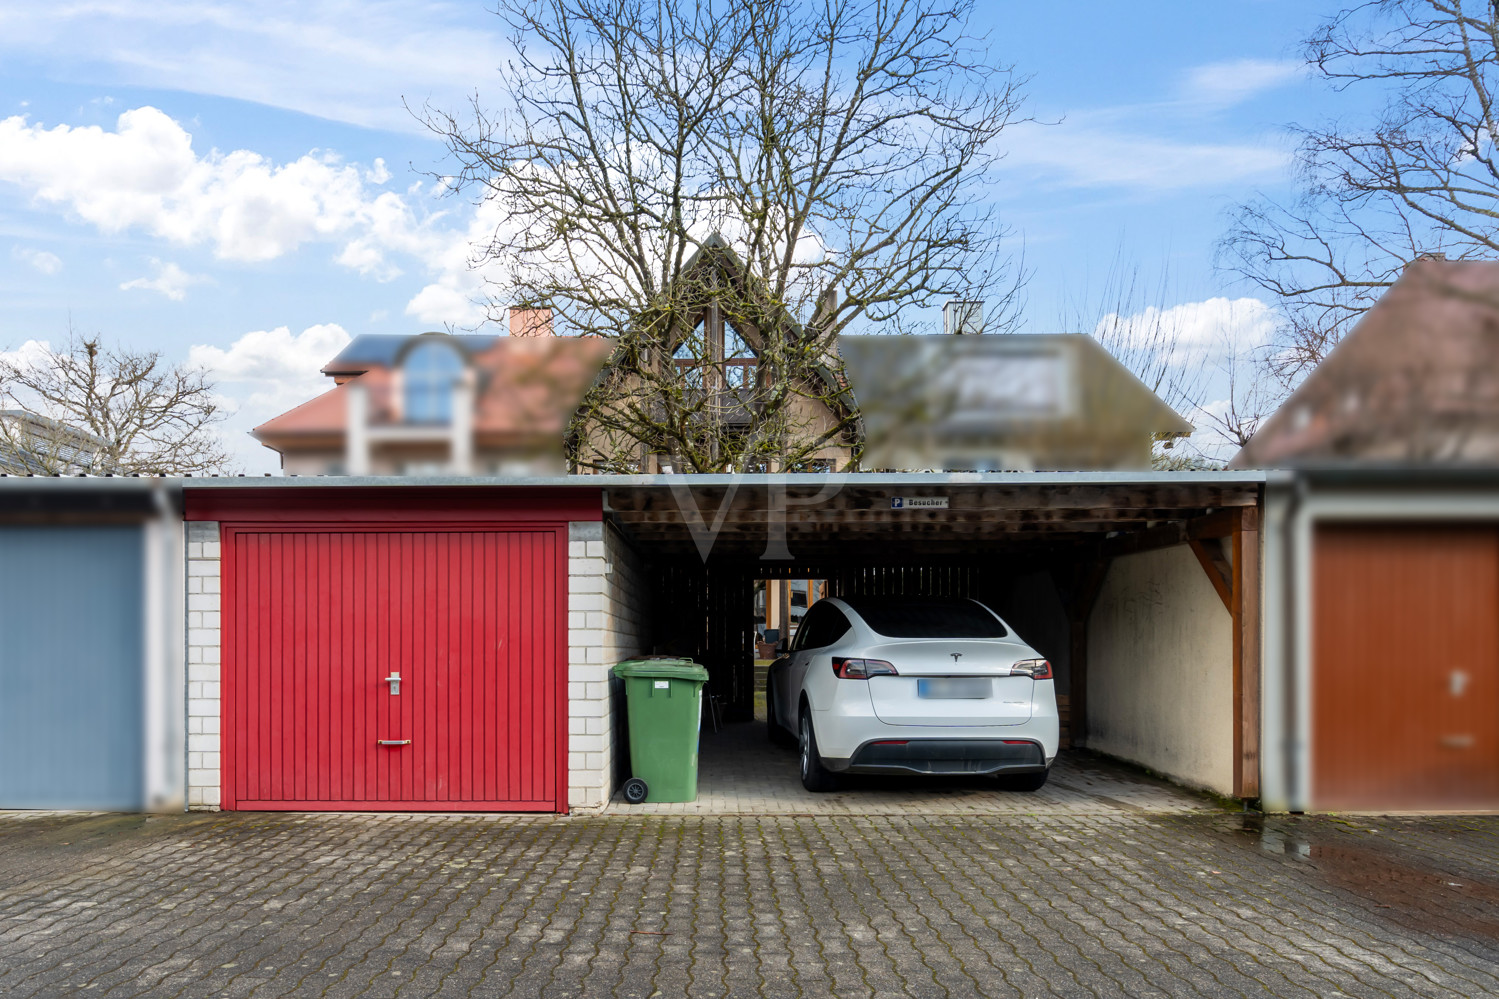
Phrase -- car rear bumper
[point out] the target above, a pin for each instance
(943, 756)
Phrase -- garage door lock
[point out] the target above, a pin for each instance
(395, 683)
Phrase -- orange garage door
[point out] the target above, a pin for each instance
(417, 669)
(1405, 670)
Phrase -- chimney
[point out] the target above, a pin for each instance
(1420, 257)
(530, 322)
(827, 306)
(962, 316)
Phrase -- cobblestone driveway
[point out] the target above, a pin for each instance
(1104, 905)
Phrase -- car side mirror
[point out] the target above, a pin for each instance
(781, 649)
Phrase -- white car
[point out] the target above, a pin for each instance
(903, 685)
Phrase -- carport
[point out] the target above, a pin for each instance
(1142, 588)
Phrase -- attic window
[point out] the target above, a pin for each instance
(694, 357)
(739, 361)
(429, 374)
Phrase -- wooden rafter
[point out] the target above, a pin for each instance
(1220, 572)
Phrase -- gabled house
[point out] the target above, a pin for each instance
(35, 445)
(1416, 381)
(1382, 557)
(1015, 402)
(722, 358)
(436, 403)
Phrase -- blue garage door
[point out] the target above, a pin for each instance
(70, 667)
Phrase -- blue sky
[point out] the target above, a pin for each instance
(239, 185)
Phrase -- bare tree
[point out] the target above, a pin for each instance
(843, 149)
(1253, 394)
(1129, 315)
(88, 408)
(1419, 177)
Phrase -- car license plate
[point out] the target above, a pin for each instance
(953, 688)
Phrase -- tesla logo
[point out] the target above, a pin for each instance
(956, 656)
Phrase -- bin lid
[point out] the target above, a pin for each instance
(665, 668)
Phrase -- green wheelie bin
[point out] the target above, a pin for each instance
(664, 700)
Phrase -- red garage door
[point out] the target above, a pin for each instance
(1405, 688)
(318, 624)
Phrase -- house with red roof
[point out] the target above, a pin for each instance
(438, 403)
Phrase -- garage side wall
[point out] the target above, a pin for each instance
(607, 619)
(203, 648)
(1160, 669)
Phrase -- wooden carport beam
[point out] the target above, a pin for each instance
(1238, 585)
(1245, 609)
(1209, 553)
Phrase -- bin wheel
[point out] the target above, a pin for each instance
(635, 790)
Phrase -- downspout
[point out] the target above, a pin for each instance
(164, 656)
(1294, 749)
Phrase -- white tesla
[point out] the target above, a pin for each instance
(904, 685)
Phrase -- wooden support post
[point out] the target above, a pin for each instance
(1245, 608)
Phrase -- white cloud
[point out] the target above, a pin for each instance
(1159, 146)
(31, 354)
(1197, 331)
(337, 59)
(274, 361)
(1225, 83)
(145, 175)
(1091, 150)
(458, 292)
(263, 374)
(170, 280)
(41, 260)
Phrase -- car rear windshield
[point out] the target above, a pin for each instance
(929, 619)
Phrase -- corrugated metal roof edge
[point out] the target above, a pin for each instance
(913, 479)
(1406, 475)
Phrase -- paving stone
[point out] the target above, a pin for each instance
(740, 772)
(1191, 902)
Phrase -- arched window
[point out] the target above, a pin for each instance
(429, 374)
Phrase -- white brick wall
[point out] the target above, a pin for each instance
(203, 647)
(606, 622)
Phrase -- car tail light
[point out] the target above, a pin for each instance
(1036, 669)
(861, 669)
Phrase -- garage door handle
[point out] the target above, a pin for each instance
(393, 742)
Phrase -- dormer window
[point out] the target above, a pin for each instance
(429, 373)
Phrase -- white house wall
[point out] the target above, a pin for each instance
(1160, 669)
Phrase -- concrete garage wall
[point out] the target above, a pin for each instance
(1160, 669)
(607, 618)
